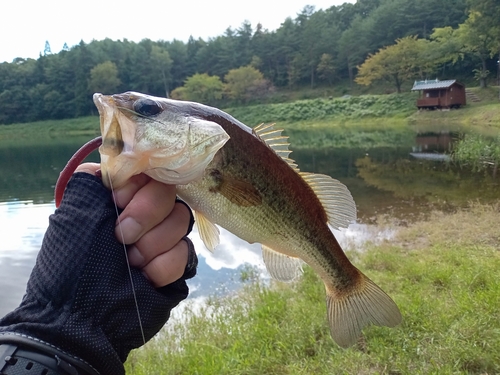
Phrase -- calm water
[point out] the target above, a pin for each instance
(403, 181)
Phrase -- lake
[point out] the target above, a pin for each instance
(403, 182)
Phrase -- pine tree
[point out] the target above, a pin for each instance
(47, 50)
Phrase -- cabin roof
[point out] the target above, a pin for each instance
(433, 84)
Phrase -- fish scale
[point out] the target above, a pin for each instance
(243, 180)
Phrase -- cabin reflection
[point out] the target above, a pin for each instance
(434, 145)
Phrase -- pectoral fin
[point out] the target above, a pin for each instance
(239, 192)
(280, 266)
(209, 233)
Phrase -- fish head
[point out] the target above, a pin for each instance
(156, 136)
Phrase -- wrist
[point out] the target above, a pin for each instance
(21, 354)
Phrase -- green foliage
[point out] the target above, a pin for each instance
(447, 292)
(368, 106)
(245, 83)
(326, 68)
(478, 152)
(162, 65)
(200, 88)
(477, 37)
(290, 56)
(407, 59)
(104, 78)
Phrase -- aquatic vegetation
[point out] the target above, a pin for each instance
(478, 152)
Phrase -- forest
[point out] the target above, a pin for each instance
(364, 43)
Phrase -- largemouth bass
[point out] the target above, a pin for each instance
(243, 180)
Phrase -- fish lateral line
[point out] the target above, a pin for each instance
(250, 186)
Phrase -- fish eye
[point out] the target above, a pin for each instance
(147, 107)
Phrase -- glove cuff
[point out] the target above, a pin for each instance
(20, 353)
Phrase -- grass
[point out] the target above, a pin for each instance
(485, 113)
(335, 110)
(443, 273)
(357, 121)
(49, 129)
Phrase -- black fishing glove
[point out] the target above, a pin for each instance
(79, 301)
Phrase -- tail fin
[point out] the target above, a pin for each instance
(349, 313)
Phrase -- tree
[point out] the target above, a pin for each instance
(487, 16)
(178, 55)
(472, 38)
(353, 45)
(104, 78)
(397, 63)
(326, 68)
(46, 50)
(161, 63)
(245, 83)
(200, 88)
(477, 41)
(297, 69)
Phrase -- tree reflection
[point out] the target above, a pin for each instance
(434, 181)
(29, 169)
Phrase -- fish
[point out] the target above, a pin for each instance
(243, 179)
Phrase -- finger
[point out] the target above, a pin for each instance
(169, 266)
(161, 238)
(124, 195)
(90, 168)
(149, 206)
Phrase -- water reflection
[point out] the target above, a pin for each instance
(434, 146)
(384, 180)
(23, 225)
(219, 272)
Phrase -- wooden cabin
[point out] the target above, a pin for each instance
(440, 94)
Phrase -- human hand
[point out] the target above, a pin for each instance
(79, 301)
(149, 211)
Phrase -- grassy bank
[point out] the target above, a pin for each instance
(334, 110)
(443, 273)
(482, 114)
(49, 129)
(357, 121)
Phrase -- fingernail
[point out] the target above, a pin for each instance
(131, 230)
(118, 197)
(135, 257)
(145, 275)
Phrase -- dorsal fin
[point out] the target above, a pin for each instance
(335, 198)
(276, 142)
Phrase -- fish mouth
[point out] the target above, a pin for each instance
(170, 146)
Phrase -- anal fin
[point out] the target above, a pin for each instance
(280, 266)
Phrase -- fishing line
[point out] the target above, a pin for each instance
(128, 264)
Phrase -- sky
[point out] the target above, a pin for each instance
(26, 25)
